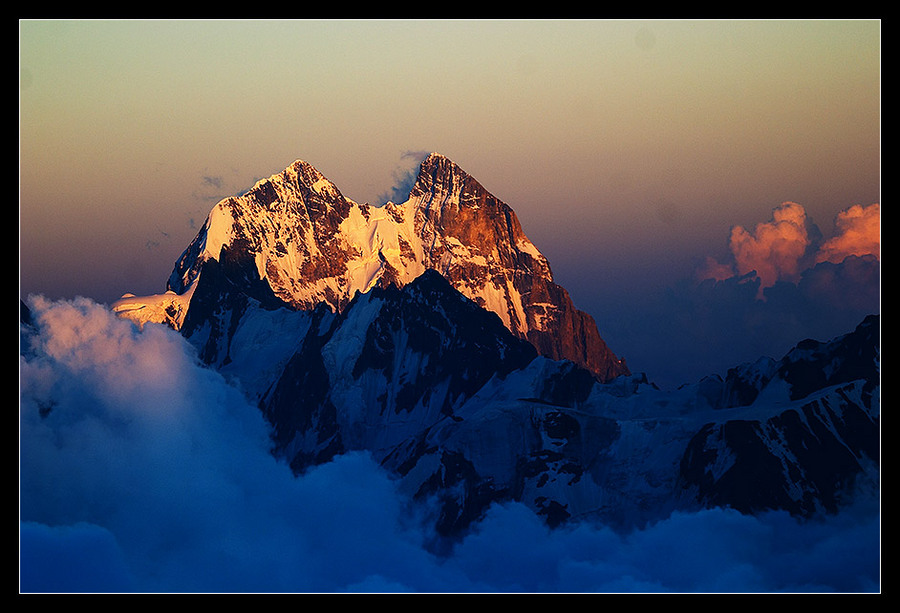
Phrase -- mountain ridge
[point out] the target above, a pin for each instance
(294, 240)
(396, 380)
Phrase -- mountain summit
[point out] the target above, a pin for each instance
(430, 335)
(295, 240)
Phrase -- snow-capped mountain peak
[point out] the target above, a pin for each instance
(430, 334)
(293, 239)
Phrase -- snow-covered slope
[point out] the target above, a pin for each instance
(466, 414)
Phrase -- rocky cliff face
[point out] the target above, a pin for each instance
(294, 240)
(476, 241)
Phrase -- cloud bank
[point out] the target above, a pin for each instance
(141, 470)
(787, 245)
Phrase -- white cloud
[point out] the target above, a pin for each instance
(147, 472)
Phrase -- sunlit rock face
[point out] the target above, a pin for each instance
(294, 240)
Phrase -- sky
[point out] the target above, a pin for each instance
(630, 150)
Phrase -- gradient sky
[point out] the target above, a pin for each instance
(628, 149)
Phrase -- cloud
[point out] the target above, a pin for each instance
(857, 232)
(786, 246)
(713, 269)
(141, 470)
(404, 177)
(774, 249)
(140, 442)
(216, 182)
(418, 156)
(73, 558)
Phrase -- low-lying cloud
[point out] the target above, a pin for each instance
(141, 470)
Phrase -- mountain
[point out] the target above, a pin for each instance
(430, 335)
(814, 434)
(295, 241)
(390, 366)
(467, 415)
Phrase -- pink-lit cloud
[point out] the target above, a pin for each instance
(714, 269)
(774, 249)
(783, 248)
(857, 232)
